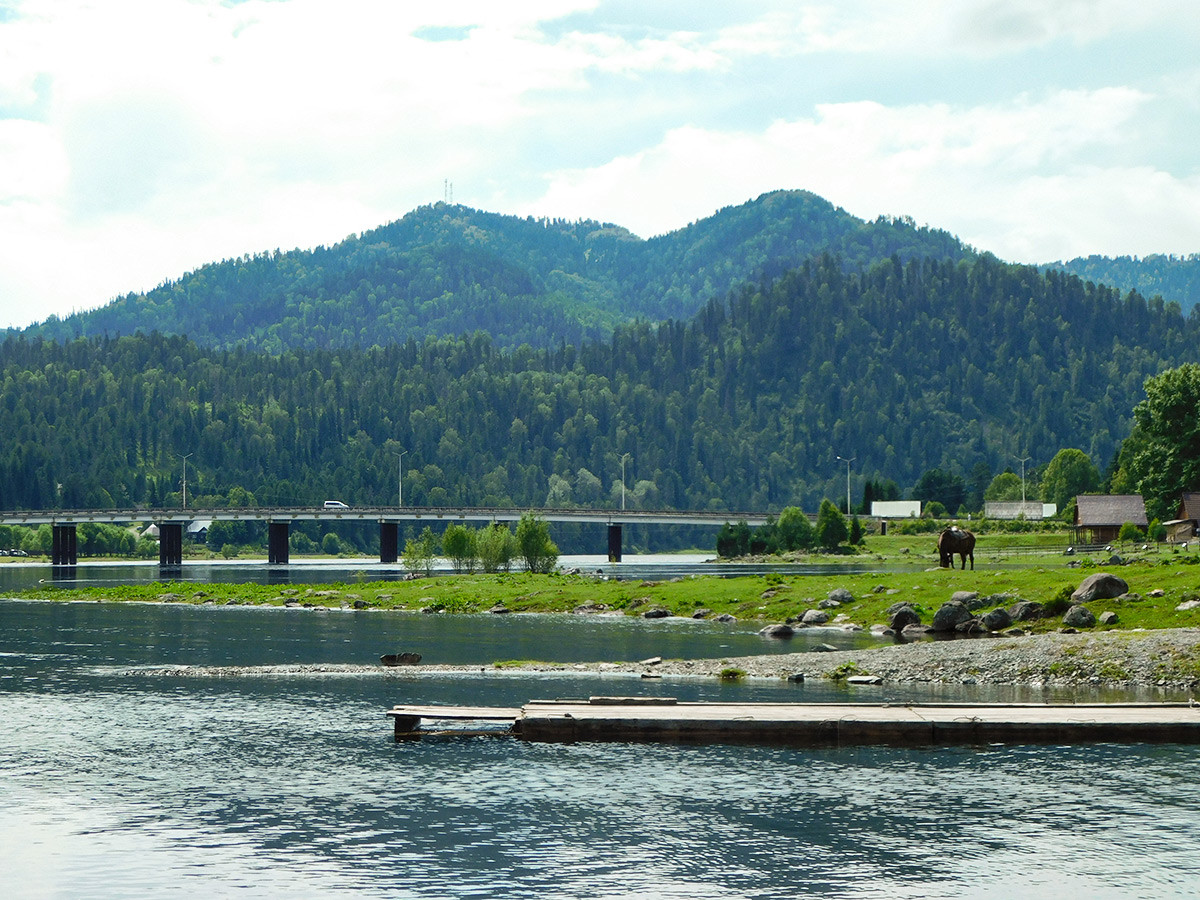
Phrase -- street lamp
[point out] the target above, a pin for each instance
(847, 462)
(400, 479)
(185, 459)
(1022, 462)
(623, 458)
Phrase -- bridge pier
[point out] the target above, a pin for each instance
(64, 547)
(389, 542)
(170, 544)
(277, 543)
(614, 543)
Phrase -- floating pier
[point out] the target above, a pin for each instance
(635, 719)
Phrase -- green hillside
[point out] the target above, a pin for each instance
(448, 270)
(933, 363)
(1174, 278)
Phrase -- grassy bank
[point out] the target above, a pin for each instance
(768, 598)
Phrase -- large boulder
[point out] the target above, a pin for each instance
(997, 619)
(969, 599)
(1024, 610)
(1101, 586)
(779, 632)
(950, 615)
(840, 596)
(814, 617)
(903, 617)
(1079, 617)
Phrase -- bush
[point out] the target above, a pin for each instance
(1130, 532)
(1059, 603)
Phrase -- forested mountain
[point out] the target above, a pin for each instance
(447, 270)
(961, 365)
(1174, 278)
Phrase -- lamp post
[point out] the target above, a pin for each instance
(847, 462)
(1022, 462)
(623, 458)
(185, 459)
(400, 479)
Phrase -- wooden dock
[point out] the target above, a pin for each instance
(632, 719)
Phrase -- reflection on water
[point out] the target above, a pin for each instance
(123, 785)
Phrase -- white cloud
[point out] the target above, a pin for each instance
(141, 138)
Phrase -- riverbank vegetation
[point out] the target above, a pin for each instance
(1159, 580)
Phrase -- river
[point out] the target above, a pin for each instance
(119, 782)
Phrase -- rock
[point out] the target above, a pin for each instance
(768, 594)
(895, 607)
(360, 604)
(796, 677)
(825, 648)
(1024, 610)
(499, 610)
(652, 661)
(971, 626)
(903, 617)
(657, 613)
(964, 597)
(400, 659)
(912, 632)
(1079, 617)
(702, 613)
(814, 617)
(1015, 632)
(1116, 560)
(780, 632)
(726, 618)
(584, 609)
(292, 604)
(1187, 604)
(1108, 618)
(840, 596)
(864, 679)
(949, 615)
(997, 619)
(828, 604)
(1157, 592)
(879, 589)
(1101, 586)
(881, 630)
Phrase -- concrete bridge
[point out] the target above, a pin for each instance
(172, 522)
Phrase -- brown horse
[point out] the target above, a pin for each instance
(955, 540)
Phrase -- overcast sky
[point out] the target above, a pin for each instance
(140, 139)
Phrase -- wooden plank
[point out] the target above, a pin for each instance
(817, 724)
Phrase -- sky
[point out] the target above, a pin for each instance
(141, 139)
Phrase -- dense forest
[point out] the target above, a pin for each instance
(446, 270)
(931, 364)
(1175, 278)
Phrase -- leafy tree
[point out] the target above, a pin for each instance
(1165, 459)
(794, 530)
(533, 542)
(1005, 488)
(459, 546)
(1069, 474)
(330, 545)
(420, 552)
(497, 548)
(831, 526)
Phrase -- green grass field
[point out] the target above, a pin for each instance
(998, 573)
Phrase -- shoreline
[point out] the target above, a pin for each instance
(1167, 659)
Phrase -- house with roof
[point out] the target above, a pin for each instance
(1099, 517)
(1184, 526)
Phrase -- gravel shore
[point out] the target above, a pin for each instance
(1167, 659)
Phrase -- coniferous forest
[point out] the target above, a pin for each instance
(930, 363)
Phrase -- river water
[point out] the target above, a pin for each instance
(118, 781)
